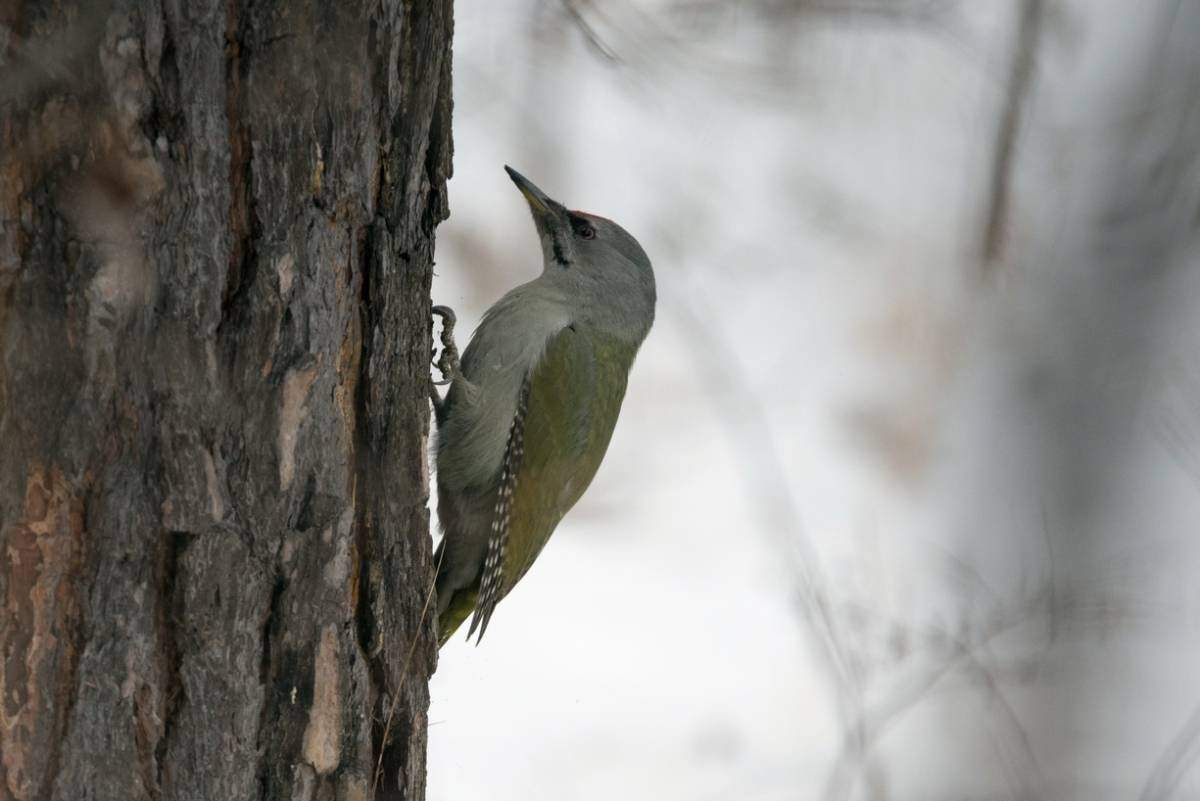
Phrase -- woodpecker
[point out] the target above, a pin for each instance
(532, 404)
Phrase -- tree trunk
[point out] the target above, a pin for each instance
(216, 242)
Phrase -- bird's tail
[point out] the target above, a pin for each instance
(454, 604)
(462, 603)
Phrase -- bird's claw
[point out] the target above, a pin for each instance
(447, 363)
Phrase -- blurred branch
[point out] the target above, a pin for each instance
(765, 481)
(764, 475)
(912, 11)
(1029, 23)
(1178, 424)
(689, 35)
(1028, 774)
(863, 733)
(574, 9)
(1174, 762)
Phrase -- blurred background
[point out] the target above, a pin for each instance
(903, 502)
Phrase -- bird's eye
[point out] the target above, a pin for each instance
(586, 231)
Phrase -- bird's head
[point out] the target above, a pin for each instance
(590, 255)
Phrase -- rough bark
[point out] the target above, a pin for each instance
(216, 242)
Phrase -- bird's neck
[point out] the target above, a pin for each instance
(618, 306)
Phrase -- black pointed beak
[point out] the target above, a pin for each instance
(538, 201)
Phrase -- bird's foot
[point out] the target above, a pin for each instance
(447, 363)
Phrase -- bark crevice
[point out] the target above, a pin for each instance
(171, 611)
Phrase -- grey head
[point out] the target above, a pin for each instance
(596, 264)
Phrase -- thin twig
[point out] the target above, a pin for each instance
(1174, 762)
(1024, 60)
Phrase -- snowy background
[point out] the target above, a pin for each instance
(903, 499)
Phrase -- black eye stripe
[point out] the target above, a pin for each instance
(560, 255)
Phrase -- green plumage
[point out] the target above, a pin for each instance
(575, 393)
(532, 406)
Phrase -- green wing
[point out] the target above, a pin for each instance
(565, 417)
